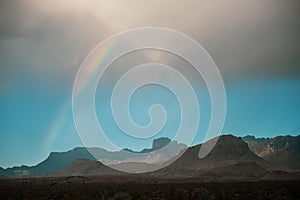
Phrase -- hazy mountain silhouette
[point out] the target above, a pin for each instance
(54, 162)
(156, 145)
(59, 160)
(231, 156)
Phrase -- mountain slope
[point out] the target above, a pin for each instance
(228, 154)
(231, 156)
(85, 167)
(282, 151)
(54, 162)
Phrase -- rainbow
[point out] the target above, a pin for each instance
(88, 72)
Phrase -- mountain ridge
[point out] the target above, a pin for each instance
(59, 160)
(234, 152)
(283, 151)
(228, 151)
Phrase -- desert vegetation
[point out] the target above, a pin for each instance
(137, 187)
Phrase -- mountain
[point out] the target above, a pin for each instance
(149, 159)
(54, 162)
(85, 167)
(1, 176)
(128, 160)
(136, 167)
(230, 156)
(172, 149)
(282, 151)
(157, 144)
(59, 160)
(251, 138)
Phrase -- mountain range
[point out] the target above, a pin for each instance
(60, 160)
(246, 157)
(282, 151)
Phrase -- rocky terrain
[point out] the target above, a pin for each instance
(282, 151)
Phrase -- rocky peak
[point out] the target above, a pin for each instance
(229, 146)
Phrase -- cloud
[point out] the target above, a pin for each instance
(45, 42)
(257, 38)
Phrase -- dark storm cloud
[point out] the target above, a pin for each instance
(257, 38)
(249, 38)
(266, 46)
(45, 42)
(245, 38)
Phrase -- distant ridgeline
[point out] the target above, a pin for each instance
(231, 157)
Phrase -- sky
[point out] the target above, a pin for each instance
(255, 45)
